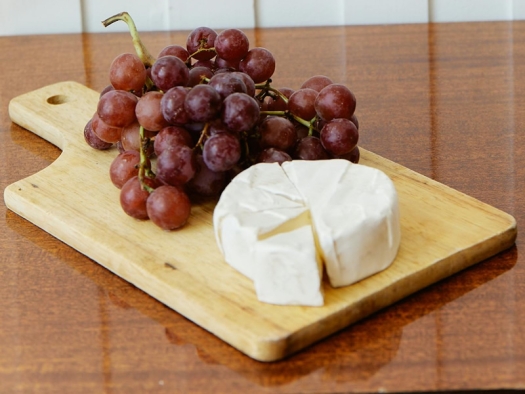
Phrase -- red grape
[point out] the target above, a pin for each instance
(127, 72)
(133, 199)
(221, 152)
(201, 38)
(116, 108)
(92, 139)
(149, 113)
(259, 64)
(335, 101)
(232, 44)
(124, 167)
(168, 207)
(339, 136)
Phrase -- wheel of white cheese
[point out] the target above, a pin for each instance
(278, 225)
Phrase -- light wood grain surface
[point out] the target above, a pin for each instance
(443, 100)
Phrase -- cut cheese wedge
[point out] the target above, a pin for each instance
(277, 225)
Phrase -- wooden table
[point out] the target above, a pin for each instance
(446, 100)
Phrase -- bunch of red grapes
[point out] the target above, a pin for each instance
(188, 121)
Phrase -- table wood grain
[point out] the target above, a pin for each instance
(445, 100)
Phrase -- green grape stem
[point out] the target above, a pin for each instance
(144, 164)
(140, 48)
(204, 134)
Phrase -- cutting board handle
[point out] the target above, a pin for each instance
(53, 109)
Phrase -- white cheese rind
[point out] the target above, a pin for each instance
(263, 229)
(355, 214)
(273, 223)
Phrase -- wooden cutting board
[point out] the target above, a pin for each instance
(443, 232)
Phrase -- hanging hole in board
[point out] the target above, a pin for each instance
(58, 99)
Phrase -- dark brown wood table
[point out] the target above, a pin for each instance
(445, 100)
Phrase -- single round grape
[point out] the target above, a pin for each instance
(197, 75)
(232, 44)
(354, 119)
(201, 38)
(171, 136)
(105, 132)
(133, 199)
(272, 155)
(169, 71)
(108, 88)
(216, 126)
(176, 165)
(175, 50)
(317, 82)
(248, 81)
(240, 112)
(339, 136)
(148, 111)
(353, 156)
(227, 65)
(302, 103)
(116, 108)
(205, 63)
(130, 137)
(226, 84)
(92, 139)
(221, 152)
(335, 101)
(206, 182)
(172, 106)
(259, 64)
(168, 207)
(310, 148)
(277, 103)
(277, 132)
(127, 72)
(202, 103)
(124, 167)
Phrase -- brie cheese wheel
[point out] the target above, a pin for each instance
(278, 224)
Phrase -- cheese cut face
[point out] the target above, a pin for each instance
(278, 225)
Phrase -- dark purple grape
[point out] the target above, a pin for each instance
(277, 132)
(226, 65)
(354, 119)
(339, 136)
(335, 101)
(301, 103)
(201, 38)
(171, 136)
(124, 167)
(277, 103)
(197, 75)
(206, 182)
(127, 72)
(92, 139)
(172, 106)
(202, 103)
(168, 72)
(317, 83)
(240, 112)
(221, 152)
(310, 148)
(272, 155)
(259, 64)
(168, 207)
(226, 84)
(116, 108)
(176, 165)
(232, 44)
(175, 50)
(248, 81)
(353, 156)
